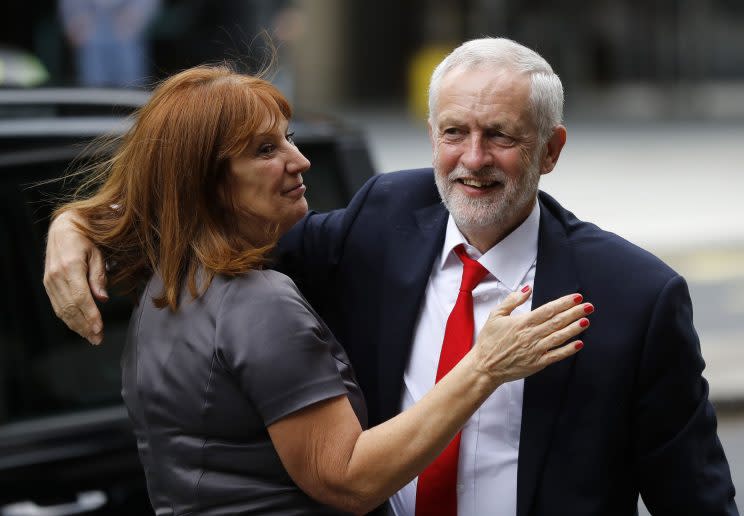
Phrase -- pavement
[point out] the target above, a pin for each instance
(674, 188)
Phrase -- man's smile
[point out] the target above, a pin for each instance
(478, 183)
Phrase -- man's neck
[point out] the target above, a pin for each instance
(484, 238)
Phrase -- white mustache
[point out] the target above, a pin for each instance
(487, 174)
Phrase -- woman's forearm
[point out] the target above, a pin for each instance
(388, 456)
(328, 455)
(326, 452)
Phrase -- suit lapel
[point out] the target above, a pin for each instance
(414, 245)
(555, 276)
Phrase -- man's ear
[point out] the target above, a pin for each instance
(553, 149)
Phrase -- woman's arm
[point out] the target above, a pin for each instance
(328, 455)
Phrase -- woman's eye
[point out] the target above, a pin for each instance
(290, 138)
(266, 148)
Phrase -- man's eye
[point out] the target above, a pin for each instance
(266, 148)
(501, 138)
(452, 132)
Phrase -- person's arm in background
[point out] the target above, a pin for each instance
(133, 17)
(77, 20)
(681, 465)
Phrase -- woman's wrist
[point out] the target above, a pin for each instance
(480, 378)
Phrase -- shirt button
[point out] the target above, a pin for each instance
(485, 297)
(460, 488)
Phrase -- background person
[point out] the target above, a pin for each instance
(629, 415)
(108, 37)
(242, 401)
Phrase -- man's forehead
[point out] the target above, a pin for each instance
(496, 97)
(484, 72)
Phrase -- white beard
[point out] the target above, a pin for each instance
(501, 208)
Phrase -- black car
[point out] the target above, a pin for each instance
(66, 445)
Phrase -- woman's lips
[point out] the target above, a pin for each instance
(296, 191)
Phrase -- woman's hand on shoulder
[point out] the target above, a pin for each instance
(75, 272)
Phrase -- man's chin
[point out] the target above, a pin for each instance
(478, 217)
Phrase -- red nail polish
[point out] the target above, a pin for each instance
(588, 308)
(578, 298)
(525, 288)
(584, 323)
(578, 345)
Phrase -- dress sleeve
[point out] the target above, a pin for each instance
(275, 346)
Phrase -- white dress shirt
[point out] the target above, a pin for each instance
(489, 448)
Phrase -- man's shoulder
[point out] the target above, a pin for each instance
(423, 176)
(413, 183)
(603, 250)
(396, 194)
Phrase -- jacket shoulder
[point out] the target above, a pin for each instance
(415, 186)
(603, 251)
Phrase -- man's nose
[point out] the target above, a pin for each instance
(476, 154)
(297, 163)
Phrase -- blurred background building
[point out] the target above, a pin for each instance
(654, 108)
(672, 58)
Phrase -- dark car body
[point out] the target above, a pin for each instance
(66, 445)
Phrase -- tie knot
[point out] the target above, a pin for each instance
(472, 271)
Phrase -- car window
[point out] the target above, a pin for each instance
(46, 368)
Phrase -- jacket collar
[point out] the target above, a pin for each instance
(544, 392)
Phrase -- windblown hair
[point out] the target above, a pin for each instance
(162, 202)
(546, 90)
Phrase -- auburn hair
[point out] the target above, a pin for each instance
(161, 202)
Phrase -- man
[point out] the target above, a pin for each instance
(629, 414)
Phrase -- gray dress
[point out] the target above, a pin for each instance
(202, 384)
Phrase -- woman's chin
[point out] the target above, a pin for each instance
(290, 220)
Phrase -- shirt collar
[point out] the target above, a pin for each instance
(509, 260)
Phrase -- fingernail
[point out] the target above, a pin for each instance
(578, 298)
(588, 308)
(95, 339)
(584, 323)
(579, 345)
(526, 288)
(96, 329)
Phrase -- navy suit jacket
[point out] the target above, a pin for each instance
(628, 414)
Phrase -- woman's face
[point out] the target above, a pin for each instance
(266, 180)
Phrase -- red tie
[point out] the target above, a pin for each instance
(436, 491)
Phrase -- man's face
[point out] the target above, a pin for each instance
(486, 156)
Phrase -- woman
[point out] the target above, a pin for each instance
(242, 400)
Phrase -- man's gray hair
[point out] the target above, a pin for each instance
(546, 90)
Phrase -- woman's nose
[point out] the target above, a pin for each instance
(297, 163)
